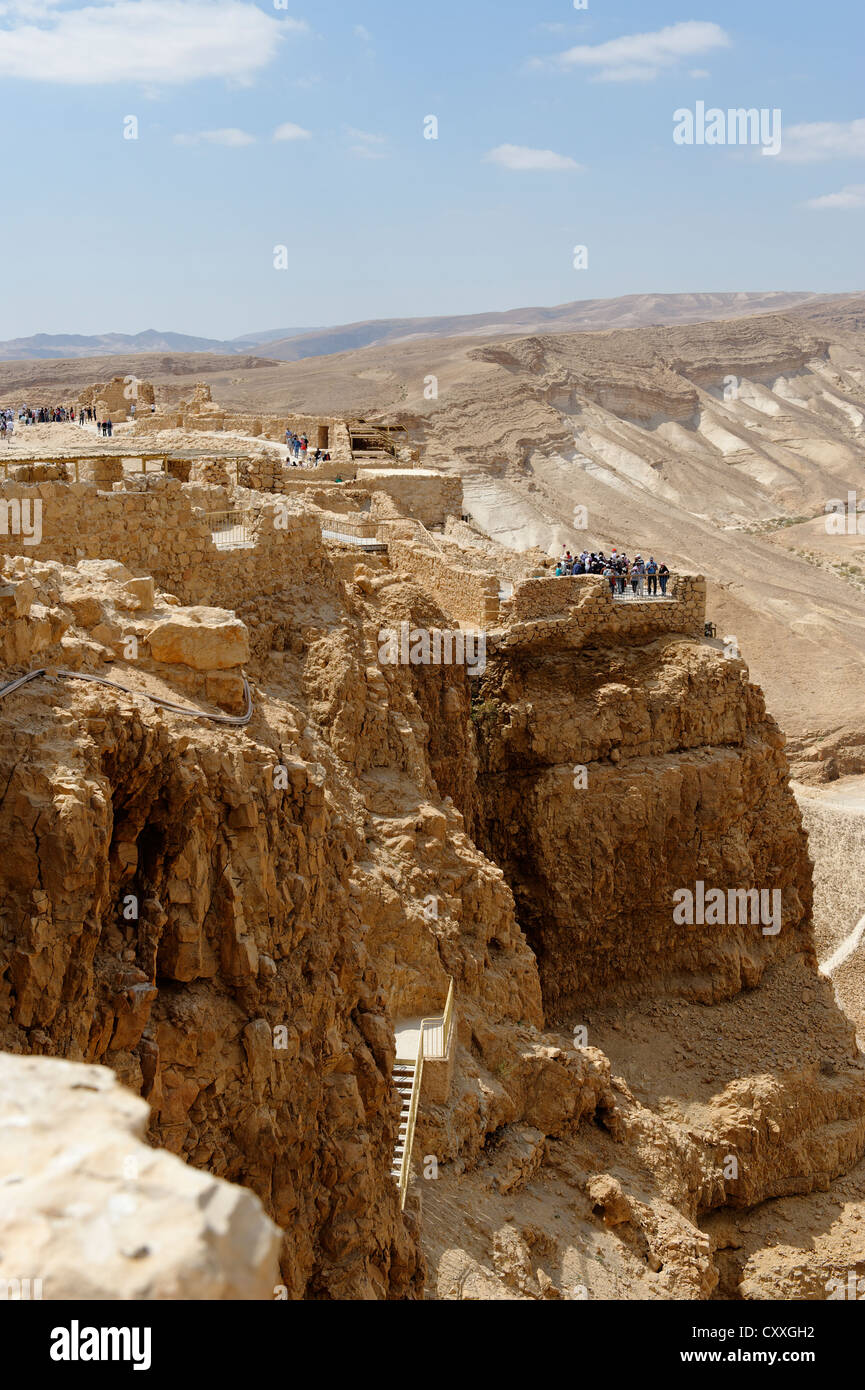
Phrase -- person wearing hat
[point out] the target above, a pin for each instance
(638, 569)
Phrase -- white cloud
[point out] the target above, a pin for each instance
(699, 72)
(288, 131)
(629, 72)
(367, 145)
(366, 136)
(149, 41)
(640, 57)
(853, 196)
(809, 142)
(361, 32)
(231, 137)
(522, 158)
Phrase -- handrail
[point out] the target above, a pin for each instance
(411, 521)
(448, 1020)
(232, 527)
(360, 530)
(674, 579)
(444, 1020)
(405, 1169)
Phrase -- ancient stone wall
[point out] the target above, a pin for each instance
(151, 525)
(586, 601)
(322, 431)
(273, 475)
(470, 595)
(202, 413)
(113, 399)
(428, 496)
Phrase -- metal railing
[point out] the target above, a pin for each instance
(231, 530)
(363, 535)
(358, 530)
(421, 532)
(405, 1170)
(433, 1044)
(448, 1020)
(627, 595)
(642, 595)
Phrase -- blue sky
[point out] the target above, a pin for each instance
(555, 128)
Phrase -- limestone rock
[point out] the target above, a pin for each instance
(94, 1213)
(606, 1193)
(207, 639)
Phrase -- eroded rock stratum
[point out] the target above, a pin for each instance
(241, 920)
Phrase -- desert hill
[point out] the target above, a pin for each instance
(292, 344)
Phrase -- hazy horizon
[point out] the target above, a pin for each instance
(261, 335)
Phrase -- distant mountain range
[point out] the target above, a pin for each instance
(293, 344)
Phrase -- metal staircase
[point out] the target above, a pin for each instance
(434, 1041)
(406, 1079)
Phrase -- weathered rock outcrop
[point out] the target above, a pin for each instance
(612, 778)
(91, 1212)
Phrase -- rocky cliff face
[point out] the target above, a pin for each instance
(608, 779)
(613, 777)
(234, 919)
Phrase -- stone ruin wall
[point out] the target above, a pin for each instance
(202, 413)
(586, 601)
(112, 399)
(544, 610)
(421, 493)
(470, 595)
(153, 527)
(273, 475)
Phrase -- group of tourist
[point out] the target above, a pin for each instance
(105, 428)
(7, 425)
(52, 415)
(308, 460)
(42, 414)
(644, 576)
(298, 452)
(296, 444)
